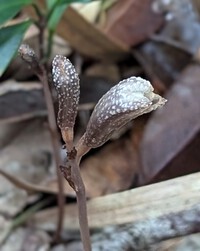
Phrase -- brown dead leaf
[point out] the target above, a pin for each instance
(171, 128)
(132, 21)
(8, 132)
(110, 170)
(85, 38)
(21, 101)
(27, 156)
(104, 70)
(182, 24)
(88, 39)
(170, 51)
(185, 162)
(135, 206)
(26, 163)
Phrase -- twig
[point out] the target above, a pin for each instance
(23, 184)
(28, 55)
(72, 174)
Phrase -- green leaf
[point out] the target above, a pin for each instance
(76, 1)
(51, 3)
(57, 8)
(56, 15)
(10, 40)
(9, 8)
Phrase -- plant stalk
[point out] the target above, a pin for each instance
(73, 176)
(52, 121)
(56, 146)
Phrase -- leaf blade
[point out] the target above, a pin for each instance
(10, 39)
(10, 8)
(59, 8)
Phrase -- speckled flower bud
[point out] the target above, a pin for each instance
(66, 81)
(127, 100)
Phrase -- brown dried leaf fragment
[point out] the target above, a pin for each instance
(132, 21)
(173, 127)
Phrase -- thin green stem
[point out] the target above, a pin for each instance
(22, 218)
(42, 26)
(51, 11)
(50, 42)
(37, 10)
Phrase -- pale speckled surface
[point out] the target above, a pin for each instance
(66, 82)
(123, 102)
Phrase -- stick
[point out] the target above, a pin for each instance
(28, 55)
(73, 176)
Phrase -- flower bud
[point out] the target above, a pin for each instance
(66, 81)
(127, 100)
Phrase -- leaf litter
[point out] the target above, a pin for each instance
(157, 147)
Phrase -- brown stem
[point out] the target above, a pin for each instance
(41, 26)
(52, 125)
(56, 145)
(28, 55)
(73, 176)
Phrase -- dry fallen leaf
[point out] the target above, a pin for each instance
(171, 128)
(132, 206)
(185, 162)
(85, 38)
(172, 49)
(110, 170)
(132, 21)
(21, 101)
(27, 156)
(104, 70)
(26, 163)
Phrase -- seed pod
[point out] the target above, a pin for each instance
(66, 81)
(127, 100)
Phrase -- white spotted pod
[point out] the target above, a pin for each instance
(127, 100)
(66, 82)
